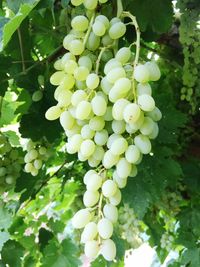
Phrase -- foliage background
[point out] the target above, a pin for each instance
(35, 214)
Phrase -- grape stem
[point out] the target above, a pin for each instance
(137, 43)
(99, 59)
(21, 49)
(89, 30)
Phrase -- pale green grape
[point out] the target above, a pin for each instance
(134, 168)
(155, 114)
(57, 77)
(90, 198)
(78, 96)
(97, 123)
(76, 2)
(90, 4)
(33, 154)
(116, 198)
(87, 132)
(112, 64)
(120, 89)
(103, 19)
(83, 110)
(132, 154)
(94, 182)
(89, 232)
(93, 42)
(80, 23)
(66, 120)
(81, 85)
(92, 81)
(87, 176)
(81, 73)
(75, 142)
(154, 132)
(118, 108)
(9, 179)
(109, 188)
(119, 146)
(143, 144)
(28, 167)
(109, 160)
(123, 55)
(108, 250)
(37, 96)
(91, 248)
(146, 102)
(98, 153)
(64, 98)
(37, 164)
(67, 40)
(106, 86)
(42, 150)
(108, 115)
(123, 168)
(101, 137)
(114, 20)
(99, 28)
(144, 89)
(147, 126)
(103, 1)
(116, 74)
(138, 123)
(58, 65)
(81, 218)
(85, 61)
(76, 47)
(121, 182)
(105, 228)
(117, 30)
(99, 105)
(154, 71)
(76, 129)
(131, 113)
(141, 74)
(70, 66)
(118, 127)
(106, 40)
(87, 148)
(111, 139)
(110, 212)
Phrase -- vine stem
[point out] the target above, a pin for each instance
(1, 104)
(103, 49)
(89, 30)
(137, 43)
(21, 49)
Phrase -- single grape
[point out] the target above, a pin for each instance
(112, 64)
(132, 154)
(99, 105)
(91, 249)
(105, 228)
(108, 250)
(89, 233)
(154, 71)
(83, 110)
(116, 198)
(92, 81)
(76, 47)
(147, 126)
(101, 137)
(146, 102)
(104, 20)
(37, 96)
(80, 23)
(81, 218)
(118, 108)
(123, 168)
(110, 212)
(109, 160)
(123, 55)
(131, 113)
(66, 120)
(85, 61)
(90, 4)
(118, 127)
(115, 74)
(81, 73)
(87, 132)
(143, 144)
(94, 182)
(77, 97)
(117, 30)
(97, 123)
(141, 74)
(119, 146)
(155, 114)
(93, 42)
(99, 28)
(109, 188)
(144, 89)
(90, 198)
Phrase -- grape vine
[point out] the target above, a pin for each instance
(109, 116)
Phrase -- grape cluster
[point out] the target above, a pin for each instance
(10, 163)
(36, 154)
(166, 241)
(108, 114)
(129, 226)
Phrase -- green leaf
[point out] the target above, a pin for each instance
(4, 237)
(8, 27)
(192, 257)
(60, 255)
(14, 5)
(12, 253)
(5, 218)
(156, 14)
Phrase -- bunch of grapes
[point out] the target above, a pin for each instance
(129, 226)
(35, 156)
(166, 241)
(108, 114)
(10, 163)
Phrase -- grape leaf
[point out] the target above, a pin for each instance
(150, 14)
(4, 237)
(5, 217)
(60, 255)
(12, 253)
(191, 257)
(8, 27)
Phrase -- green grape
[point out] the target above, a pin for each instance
(90, 4)
(76, 47)
(37, 96)
(117, 30)
(80, 23)
(93, 42)
(99, 28)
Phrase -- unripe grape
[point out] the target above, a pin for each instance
(116, 198)
(144, 89)
(123, 55)
(90, 198)
(119, 146)
(101, 137)
(143, 144)
(80, 23)
(67, 56)
(34, 172)
(85, 61)
(91, 248)
(118, 108)
(42, 150)
(2, 171)
(131, 113)
(105, 228)
(89, 232)
(9, 179)
(33, 154)
(57, 77)
(92, 81)
(141, 74)
(87, 148)
(94, 182)
(53, 113)
(123, 168)
(90, 4)
(120, 89)
(110, 212)
(114, 20)
(81, 73)
(146, 102)
(99, 105)
(99, 28)
(58, 64)
(109, 160)
(81, 219)
(37, 96)
(132, 154)
(66, 120)
(117, 30)
(109, 188)
(83, 110)
(154, 71)
(108, 250)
